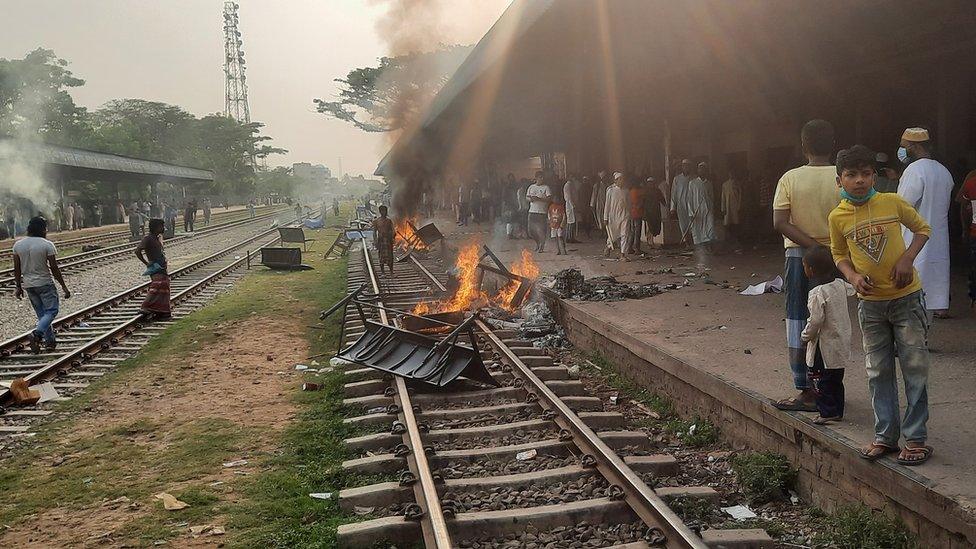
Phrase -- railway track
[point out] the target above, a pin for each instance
(534, 463)
(92, 341)
(84, 261)
(111, 237)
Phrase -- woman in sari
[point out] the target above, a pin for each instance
(150, 252)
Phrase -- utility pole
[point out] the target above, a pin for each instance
(235, 82)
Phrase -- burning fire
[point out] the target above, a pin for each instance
(468, 292)
(527, 268)
(404, 233)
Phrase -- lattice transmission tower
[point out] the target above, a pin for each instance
(235, 84)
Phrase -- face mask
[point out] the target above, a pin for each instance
(903, 155)
(855, 200)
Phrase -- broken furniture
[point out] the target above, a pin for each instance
(423, 238)
(525, 285)
(289, 259)
(413, 355)
(294, 235)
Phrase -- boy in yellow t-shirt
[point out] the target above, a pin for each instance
(867, 245)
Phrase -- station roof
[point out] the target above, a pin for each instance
(548, 70)
(85, 164)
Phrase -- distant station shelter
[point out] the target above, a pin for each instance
(60, 166)
(635, 85)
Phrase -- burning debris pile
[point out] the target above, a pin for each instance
(569, 283)
(533, 322)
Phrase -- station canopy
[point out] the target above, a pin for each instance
(572, 75)
(70, 163)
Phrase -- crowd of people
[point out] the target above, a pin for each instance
(855, 225)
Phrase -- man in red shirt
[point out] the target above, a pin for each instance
(967, 211)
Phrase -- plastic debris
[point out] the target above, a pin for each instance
(770, 286)
(363, 510)
(321, 495)
(739, 512)
(235, 463)
(526, 455)
(337, 362)
(170, 503)
(301, 367)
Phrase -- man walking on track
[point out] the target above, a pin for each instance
(383, 235)
(35, 270)
(150, 252)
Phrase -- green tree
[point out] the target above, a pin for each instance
(144, 129)
(389, 96)
(280, 181)
(35, 100)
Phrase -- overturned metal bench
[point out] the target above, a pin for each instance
(294, 235)
(288, 259)
(412, 355)
(525, 285)
(425, 237)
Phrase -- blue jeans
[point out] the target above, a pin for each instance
(44, 299)
(900, 323)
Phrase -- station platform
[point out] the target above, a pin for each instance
(723, 355)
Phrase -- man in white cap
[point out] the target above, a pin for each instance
(616, 215)
(927, 185)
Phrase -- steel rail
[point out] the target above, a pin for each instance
(433, 524)
(7, 251)
(651, 509)
(110, 252)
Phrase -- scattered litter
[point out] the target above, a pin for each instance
(170, 503)
(739, 512)
(569, 283)
(363, 510)
(87, 480)
(690, 274)
(794, 499)
(613, 399)
(235, 463)
(376, 410)
(48, 392)
(770, 286)
(311, 386)
(526, 455)
(242, 473)
(723, 328)
(301, 367)
(216, 483)
(84, 325)
(321, 495)
(337, 362)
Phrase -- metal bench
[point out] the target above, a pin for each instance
(294, 235)
(282, 258)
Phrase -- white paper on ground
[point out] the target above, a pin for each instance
(48, 392)
(321, 495)
(770, 286)
(526, 455)
(739, 512)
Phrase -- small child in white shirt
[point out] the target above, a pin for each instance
(827, 333)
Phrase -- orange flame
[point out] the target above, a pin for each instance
(405, 234)
(467, 291)
(525, 267)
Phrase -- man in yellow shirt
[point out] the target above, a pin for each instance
(868, 248)
(804, 197)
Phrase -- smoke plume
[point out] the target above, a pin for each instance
(21, 172)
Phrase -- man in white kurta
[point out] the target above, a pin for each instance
(679, 196)
(701, 203)
(927, 185)
(616, 215)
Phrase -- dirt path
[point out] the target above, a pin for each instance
(234, 380)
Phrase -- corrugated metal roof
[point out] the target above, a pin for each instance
(71, 157)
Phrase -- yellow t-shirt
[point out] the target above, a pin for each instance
(809, 193)
(870, 236)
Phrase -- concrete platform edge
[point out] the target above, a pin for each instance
(830, 470)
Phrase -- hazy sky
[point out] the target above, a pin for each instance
(172, 51)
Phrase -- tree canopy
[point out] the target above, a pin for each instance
(35, 102)
(389, 96)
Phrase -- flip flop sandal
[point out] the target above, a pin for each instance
(885, 450)
(826, 420)
(925, 452)
(794, 405)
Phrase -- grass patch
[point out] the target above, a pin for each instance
(691, 509)
(764, 476)
(598, 365)
(858, 527)
(696, 432)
